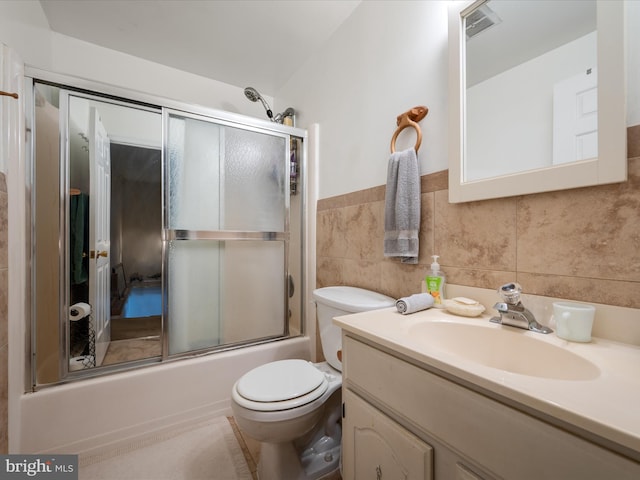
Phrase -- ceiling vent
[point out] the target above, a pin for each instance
(479, 20)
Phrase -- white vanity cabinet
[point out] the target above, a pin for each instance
(378, 448)
(406, 420)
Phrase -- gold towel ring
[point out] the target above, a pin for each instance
(409, 119)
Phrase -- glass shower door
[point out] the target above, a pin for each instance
(226, 233)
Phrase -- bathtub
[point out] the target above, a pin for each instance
(117, 409)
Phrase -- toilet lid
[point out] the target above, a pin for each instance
(281, 380)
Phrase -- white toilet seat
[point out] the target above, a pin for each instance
(280, 385)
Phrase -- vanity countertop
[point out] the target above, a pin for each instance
(603, 407)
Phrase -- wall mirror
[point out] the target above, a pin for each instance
(159, 230)
(537, 97)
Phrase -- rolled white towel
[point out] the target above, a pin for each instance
(414, 303)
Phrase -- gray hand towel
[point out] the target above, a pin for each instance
(402, 207)
(414, 303)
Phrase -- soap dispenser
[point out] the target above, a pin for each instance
(435, 283)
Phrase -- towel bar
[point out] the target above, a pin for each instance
(14, 95)
(409, 119)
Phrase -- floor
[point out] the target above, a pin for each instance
(203, 451)
(127, 328)
(251, 450)
(133, 339)
(132, 349)
(198, 452)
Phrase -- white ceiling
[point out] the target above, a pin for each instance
(258, 43)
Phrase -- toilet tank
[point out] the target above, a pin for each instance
(342, 300)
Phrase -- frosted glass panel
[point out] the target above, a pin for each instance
(254, 181)
(225, 178)
(194, 174)
(253, 293)
(224, 292)
(194, 295)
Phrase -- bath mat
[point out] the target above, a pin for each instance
(206, 451)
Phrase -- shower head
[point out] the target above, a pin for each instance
(253, 95)
(289, 112)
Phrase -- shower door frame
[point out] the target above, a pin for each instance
(223, 235)
(135, 98)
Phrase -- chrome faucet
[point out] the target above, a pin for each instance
(512, 311)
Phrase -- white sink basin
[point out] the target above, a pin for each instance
(594, 387)
(504, 348)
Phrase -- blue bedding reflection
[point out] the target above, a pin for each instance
(143, 302)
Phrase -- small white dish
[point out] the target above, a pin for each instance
(464, 307)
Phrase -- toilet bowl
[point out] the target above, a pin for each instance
(293, 407)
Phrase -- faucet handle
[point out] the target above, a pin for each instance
(510, 293)
(501, 307)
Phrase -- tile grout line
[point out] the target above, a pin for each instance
(251, 462)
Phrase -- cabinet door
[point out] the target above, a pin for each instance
(463, 473)
(377, 448)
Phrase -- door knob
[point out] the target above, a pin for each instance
(103, 253)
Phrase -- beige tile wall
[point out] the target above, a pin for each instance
(4, 344)
(581, 244)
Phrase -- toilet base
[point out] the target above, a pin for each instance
(312, 457)
(282, 460)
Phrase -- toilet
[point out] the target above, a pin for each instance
(293, 407)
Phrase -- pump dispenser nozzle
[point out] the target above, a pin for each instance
(435, 266)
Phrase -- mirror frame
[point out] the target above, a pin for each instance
(611, 164)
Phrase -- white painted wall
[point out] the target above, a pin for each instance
(85, 60)
(632, 15)
(24, 27)
(12, 142)
(11, 72)
(386, 58)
